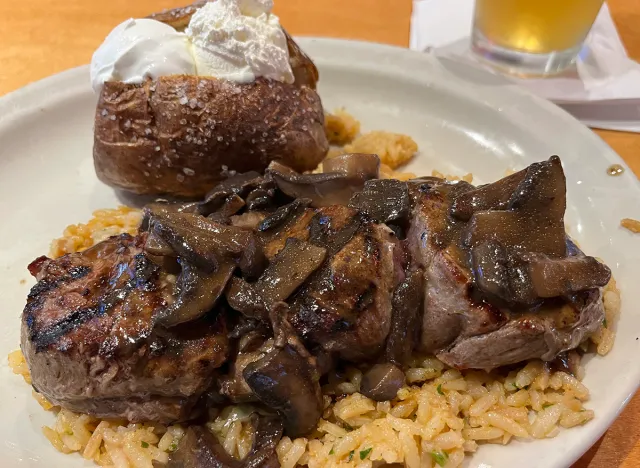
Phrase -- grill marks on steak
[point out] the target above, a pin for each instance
(345, 307)
(97, 300)
(88, 339)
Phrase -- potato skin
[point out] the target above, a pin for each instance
(178, 18)
(173, 135)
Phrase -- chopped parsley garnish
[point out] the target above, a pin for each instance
(331, 452)
(365, 453)
(144, 444)
(347, 427)
(604, 323)
(440, 389)
(440, 457)
(173, 447)
(351, 455)
(546, 405)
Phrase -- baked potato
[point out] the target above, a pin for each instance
(179, 17)
(175, 135)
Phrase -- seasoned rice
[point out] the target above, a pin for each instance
(442, 415)
(606, 334)
(341, 127)
(105, 223)
(630, 224)
(439, 417)
(466, 178)
(394, 149)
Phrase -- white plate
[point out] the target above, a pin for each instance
(464, 120)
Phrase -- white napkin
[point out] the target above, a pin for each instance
(602, 90)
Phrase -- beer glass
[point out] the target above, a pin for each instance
(532, 37)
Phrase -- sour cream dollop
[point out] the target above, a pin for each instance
(236, 40)
(138, 49)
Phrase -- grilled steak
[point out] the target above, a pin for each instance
(338, 265)
(543, 334)
(87, 336)
(449, 311)
(345, 307)
(465, 325)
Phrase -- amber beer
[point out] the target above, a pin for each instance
(535, 26)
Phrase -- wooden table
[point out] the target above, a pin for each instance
(42, 37)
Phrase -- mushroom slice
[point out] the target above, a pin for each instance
(323, 234)
(383, 201)
(161, 253)
(233, 386)
(288, 383)
(493, 196)
(534, 217)
(197, 291)
(156, 246)
(253, 260)
(405, 319)
(323, 189)
(288, 270)
(244, 298)
(207, 253)
(199, 448)
(260, 199)
(490, 267)
(239, 185)
(365, 166)
(382, 382)
(196, 239)
(528, 277)
(286, 273)
(284, 214)
(552, 277)
(231, 205)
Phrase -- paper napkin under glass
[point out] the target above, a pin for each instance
(602, 89)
